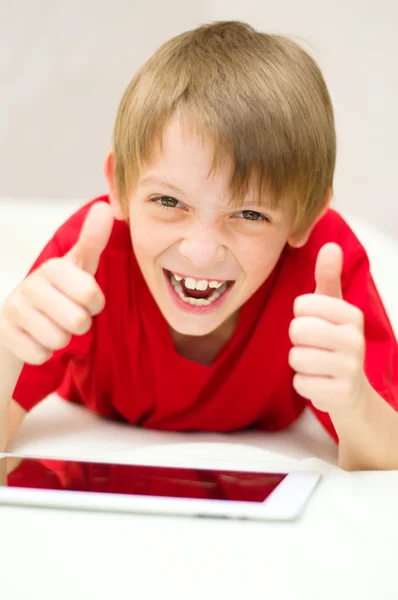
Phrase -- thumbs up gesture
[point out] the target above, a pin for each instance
(59, 298)
(328, 339)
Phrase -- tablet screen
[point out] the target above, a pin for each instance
(171, 482)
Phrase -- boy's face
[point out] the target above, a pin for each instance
(201, 257)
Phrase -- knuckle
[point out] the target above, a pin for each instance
(101, 300)
(14, 309)
(23, 346)
(30, 283)
(98, 302)
(358, 318)
(359, 345)
(31, 351)
(293, 330)
(47, 269)
(299, 305)
(296, 329)
(90, 294)
(80, 322)
(38, 357)
(296, 382)
(357, 341)
(299, 384)
(294, 356)
(59, 339)
(30, 288)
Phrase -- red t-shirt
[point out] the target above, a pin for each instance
(126, 366)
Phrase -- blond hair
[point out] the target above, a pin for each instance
(260, 99)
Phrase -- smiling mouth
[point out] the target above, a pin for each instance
(198, 292)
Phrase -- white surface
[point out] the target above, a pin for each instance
(344, 545)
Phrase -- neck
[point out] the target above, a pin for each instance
(204, 349)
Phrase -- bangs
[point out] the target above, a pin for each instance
(250, 171)
(250, 175)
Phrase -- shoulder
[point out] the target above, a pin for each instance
(331, 228)
(119, 246)
(298, 265)
(67, 235)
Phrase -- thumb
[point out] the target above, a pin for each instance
(329, 265)
(93, 238)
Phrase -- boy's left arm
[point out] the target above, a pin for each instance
(328, 351)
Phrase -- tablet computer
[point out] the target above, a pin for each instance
(135, 488)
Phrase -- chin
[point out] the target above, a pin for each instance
(191, 328)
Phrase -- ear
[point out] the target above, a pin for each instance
(298, 242)
(109, 172)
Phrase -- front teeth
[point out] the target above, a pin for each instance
(191, 283)
(201, 285)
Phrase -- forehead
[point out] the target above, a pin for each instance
(184, 160)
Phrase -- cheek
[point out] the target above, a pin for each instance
(150, 239)
(146, 244)
(258, 258)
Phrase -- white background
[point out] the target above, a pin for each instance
(65, 64)
(63, 67)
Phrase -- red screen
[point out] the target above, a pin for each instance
(143, 480)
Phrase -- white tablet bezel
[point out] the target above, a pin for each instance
(286, 502)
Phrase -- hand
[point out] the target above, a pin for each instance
(328, 339)
(58, 299)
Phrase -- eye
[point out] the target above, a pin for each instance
(167, 202)
(252, 215)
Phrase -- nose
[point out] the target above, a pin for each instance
(202, 249)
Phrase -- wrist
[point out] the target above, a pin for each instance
(359, 404)
(9, 362)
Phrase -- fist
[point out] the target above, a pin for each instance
(327, 334)
(60, 298)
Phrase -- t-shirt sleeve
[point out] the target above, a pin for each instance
(38, 381)
(381, 349)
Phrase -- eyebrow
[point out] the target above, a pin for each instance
(158, 181)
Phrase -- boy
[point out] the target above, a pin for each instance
(206, 291)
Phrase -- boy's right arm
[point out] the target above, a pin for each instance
(11, 413)
(56, 301)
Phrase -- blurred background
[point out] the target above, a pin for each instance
(64, 65)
